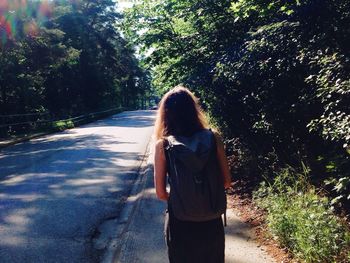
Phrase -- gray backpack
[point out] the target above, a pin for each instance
(196, 184)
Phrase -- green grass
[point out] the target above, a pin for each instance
(302, 220)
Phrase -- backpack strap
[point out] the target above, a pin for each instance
(166, 152)
(225, 218)
(214, 138)
(166, 147)
(165, 143)
(215, 145)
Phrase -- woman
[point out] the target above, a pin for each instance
(179, 114)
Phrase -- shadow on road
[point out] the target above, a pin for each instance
(144, 239)
(56, 190)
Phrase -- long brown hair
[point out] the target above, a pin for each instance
(179, 113)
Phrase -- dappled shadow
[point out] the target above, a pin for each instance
(140, 119)
(238, 230)
(58, 153)
(61, 187)
(144, 239)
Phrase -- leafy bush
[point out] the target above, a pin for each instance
(62, 125)
(302, 220)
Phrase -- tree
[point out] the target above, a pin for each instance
(67, 58)
(273, 73)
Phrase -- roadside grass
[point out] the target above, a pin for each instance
(46, 127)
(302, 220)
(63, 125)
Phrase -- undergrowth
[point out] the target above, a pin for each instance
(302, 219)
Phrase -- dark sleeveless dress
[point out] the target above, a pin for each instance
(194, 242)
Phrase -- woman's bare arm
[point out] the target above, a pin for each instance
(160, 171)
(225, 170)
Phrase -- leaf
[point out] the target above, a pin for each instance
(336, 199)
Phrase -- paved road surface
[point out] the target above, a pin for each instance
(56, 191)
(143, 241)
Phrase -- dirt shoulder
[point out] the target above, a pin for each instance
(240, 201)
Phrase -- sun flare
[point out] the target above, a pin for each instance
(23, 17)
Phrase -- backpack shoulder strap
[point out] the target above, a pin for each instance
(166, 147)
(214, 137)
(165, 143)
(215, 146)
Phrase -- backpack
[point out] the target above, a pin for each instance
(197, 190)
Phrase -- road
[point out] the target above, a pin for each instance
(57, 190)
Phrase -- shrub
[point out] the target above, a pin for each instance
(62, 125)
(302, 220)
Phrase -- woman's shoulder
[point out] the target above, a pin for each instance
(217, 136)
(215, 132)
(159, 148)
(159, 143)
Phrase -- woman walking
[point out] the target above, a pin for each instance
(192, 158)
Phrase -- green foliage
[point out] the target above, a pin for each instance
(302, 220)
(274, 74)
(262, 9)
(333, 81)
(63, 125)
(341, 187)
(68, 58)
(336, 174)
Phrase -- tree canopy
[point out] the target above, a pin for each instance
(66, 57)
(273, 73)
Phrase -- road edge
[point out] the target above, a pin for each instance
(6, 143)
(122, 223)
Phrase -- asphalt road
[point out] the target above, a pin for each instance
(57, 190)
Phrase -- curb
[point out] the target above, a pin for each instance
(122, 223)
(23, 139)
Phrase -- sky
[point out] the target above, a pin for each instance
(122, 4)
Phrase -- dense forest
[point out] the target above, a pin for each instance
(274, 77)
(63, 58)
